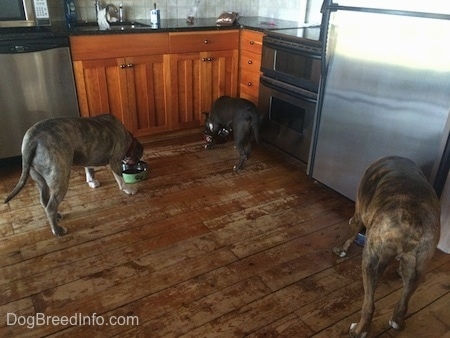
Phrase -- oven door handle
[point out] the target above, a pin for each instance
(289, 89)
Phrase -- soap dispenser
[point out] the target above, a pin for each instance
(155, 17)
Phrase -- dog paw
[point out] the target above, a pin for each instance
(59, 231)
(339, 251)
(129, 190)
(93, 183)
(353, 332)
(394, 325)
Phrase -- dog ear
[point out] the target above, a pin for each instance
(206, 114)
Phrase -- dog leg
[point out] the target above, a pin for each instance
(128, 189)
(53, 216)
(91, 181)
(356, 225)
(240, 164)
(372, 267)
(411, 274)
(48, 203)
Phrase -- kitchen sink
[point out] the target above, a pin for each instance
(115, 26)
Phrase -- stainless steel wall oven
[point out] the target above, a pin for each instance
(291, 66)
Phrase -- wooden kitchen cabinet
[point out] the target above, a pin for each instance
(250, 49)
(203, 67)
(131, 85)
(155, 82)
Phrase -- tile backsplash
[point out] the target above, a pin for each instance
(293, 10)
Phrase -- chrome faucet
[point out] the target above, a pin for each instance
(98, 7)
(102, 14)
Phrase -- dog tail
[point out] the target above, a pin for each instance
(27, 157)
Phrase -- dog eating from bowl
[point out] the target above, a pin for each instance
(236, 115)
(400, 211)
(51, 147)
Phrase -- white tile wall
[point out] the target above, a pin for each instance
(293, 10)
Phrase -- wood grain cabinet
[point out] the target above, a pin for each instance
(250, 49)
(124, 75)
(155, 82)
(203, 67)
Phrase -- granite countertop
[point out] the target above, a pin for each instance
(60, 29)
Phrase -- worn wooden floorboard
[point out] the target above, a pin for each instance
(199, 251)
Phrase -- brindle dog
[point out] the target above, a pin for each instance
(401, 213)
(238, 115)
(51, 147)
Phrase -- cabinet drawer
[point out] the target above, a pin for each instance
(251, 41)
(188, 42)
(250, 61)
(249, 83)
(120, 45)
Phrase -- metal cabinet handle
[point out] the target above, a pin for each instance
(249, 84)
(250, 62)
(208, 59)
(122, 66)
(207, 42)
(130, 65)
(252, 42)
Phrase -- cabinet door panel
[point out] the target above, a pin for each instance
(101, 86)
(219, 75)
(185, 91)
(147, 94)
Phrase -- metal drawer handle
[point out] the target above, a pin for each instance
(130, 65)
(207, 59)
(252, 42)
(250, 62)
(207, 42)
(122, 66)
(249, 84)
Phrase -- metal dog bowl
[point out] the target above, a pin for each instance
(133, 173)
(221, 137)
(361, 238)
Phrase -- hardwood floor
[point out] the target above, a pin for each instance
(200, 251)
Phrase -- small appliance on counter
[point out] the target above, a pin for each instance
(24, 13)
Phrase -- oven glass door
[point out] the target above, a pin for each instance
(288, 117)
(299, 68)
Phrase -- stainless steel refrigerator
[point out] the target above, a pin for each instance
(385, 88)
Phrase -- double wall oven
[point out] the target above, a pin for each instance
(291, 67)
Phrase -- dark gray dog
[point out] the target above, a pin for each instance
(401, 213)
(239, 116)
(51, 147)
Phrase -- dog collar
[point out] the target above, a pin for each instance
(132, 147)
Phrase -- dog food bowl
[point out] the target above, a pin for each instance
(360, 238)
(133, 173)
(221, 137)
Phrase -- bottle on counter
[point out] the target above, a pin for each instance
(155, 19)
(71, 13)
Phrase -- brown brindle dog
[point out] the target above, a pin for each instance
(401, 214)
(51, 147)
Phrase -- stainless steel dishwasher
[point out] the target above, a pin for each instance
(36, 83)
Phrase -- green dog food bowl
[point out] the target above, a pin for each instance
(133, 173)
